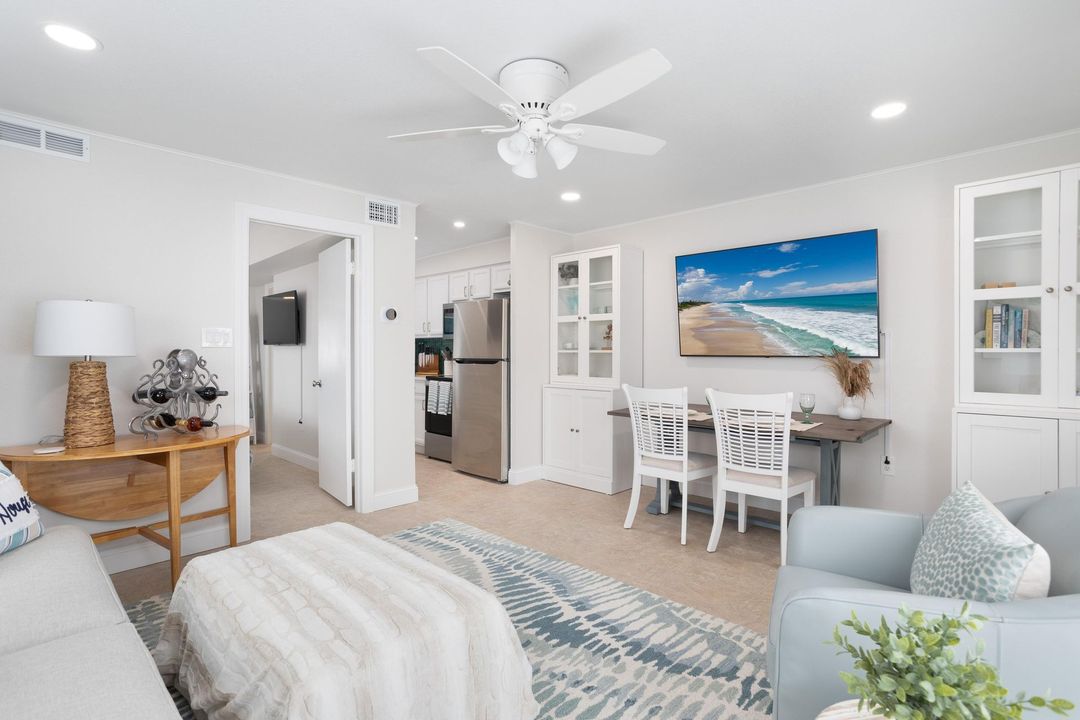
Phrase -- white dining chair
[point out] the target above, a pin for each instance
(658, 420)
(752, 448)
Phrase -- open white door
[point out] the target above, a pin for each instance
(335, 377)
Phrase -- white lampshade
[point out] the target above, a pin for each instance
(82, 328)
(512, 149)
(527, 167)
(561, 152)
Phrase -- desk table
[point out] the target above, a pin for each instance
(828, 436)
(133, 478)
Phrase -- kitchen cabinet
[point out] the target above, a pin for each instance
(500, 278)
(419, 393)
(430, 295)
(459, 286)
(470, 284)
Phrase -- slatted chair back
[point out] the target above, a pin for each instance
(658, 420)
(752, 431)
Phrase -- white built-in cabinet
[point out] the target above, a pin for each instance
(596, 345)
(437, 290)
(1017, 409)
(500, 278)
(430, 294)
(472, 284)
(419, 398)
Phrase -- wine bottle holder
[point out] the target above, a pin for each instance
(178, 395)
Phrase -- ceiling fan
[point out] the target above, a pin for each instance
(536, 96)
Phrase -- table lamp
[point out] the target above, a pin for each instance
(84, 328)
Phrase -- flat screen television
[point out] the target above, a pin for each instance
(281, 319)
(801, 298)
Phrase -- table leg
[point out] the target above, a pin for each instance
(172, 480)
(230, 484)
(830, 473)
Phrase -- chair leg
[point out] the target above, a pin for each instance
(685, 487)
(719, 508)
(635, 496)
(665, 495)
(742, 512)
(783, 531)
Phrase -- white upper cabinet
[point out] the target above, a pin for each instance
(459, 286)
(479, 283)
(1069, 282)
(596, 318)
(1012, 294)
(430, 295)
(500, 278)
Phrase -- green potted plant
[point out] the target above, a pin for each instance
(909, 672)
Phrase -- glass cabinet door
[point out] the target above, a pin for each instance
(1009, 292)
(568, 319)
(1069, 281)
(600, 322)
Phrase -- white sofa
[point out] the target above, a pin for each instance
(67, 649)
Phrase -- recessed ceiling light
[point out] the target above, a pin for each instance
(888, 110)
(459, 224)
(570, 196)
(72, 38)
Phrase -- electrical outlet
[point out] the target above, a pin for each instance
(888, 465)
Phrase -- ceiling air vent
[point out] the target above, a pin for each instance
(43, 138)
(383, 212)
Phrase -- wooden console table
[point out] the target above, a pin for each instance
(133, 478)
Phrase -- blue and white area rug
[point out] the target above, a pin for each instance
(599, 648)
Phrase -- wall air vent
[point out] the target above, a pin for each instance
(43, 138)
(383, 212)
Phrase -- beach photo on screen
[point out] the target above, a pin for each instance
(801, 298)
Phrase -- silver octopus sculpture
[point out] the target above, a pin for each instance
(177, 395)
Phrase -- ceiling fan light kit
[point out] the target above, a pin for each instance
(536, 96)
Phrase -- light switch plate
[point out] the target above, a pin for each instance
(217, 337)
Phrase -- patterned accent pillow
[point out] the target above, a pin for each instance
(19, 520)
(971, 551)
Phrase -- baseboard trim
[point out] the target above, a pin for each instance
(520, 476)
(393, 498)
(295, 457)
(596, 483)
(139, 552)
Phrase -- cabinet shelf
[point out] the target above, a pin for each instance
(1032, 237)
(1006, 351)
(1008, 293)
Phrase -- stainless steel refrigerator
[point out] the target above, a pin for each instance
(481, 418)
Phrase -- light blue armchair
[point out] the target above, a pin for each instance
(842, 559)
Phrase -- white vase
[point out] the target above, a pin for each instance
(850, 408)
(847, 710)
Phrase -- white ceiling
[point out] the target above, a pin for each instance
(764, 96)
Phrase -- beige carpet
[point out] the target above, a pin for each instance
(583, 527)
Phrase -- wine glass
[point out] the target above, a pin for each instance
(806, 402)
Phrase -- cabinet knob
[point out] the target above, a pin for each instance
(1067, 288)
(1049, 290)
(316, 383)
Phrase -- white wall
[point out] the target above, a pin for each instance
(293, 367)
(913, 211)
(157, 229)
(531, 249)
(494, 252)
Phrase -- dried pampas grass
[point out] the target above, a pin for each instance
(853, 377)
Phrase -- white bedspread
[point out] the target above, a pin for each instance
(335, 624)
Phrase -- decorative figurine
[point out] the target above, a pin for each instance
(177, 396)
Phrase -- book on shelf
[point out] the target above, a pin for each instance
(1025, 327)
(988, 328)
(994, 331)
(1018, 327)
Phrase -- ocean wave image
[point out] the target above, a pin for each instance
(813, 326)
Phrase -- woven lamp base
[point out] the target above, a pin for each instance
(89, 418)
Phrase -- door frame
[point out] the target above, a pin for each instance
(363, 341)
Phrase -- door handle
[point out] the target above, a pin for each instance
(316, 383)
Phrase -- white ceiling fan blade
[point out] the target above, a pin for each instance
(450, 132)
(610, 85)
(606, 138)
(471, 79)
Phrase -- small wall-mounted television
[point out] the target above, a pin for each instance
(281, 319)
(801, 298)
